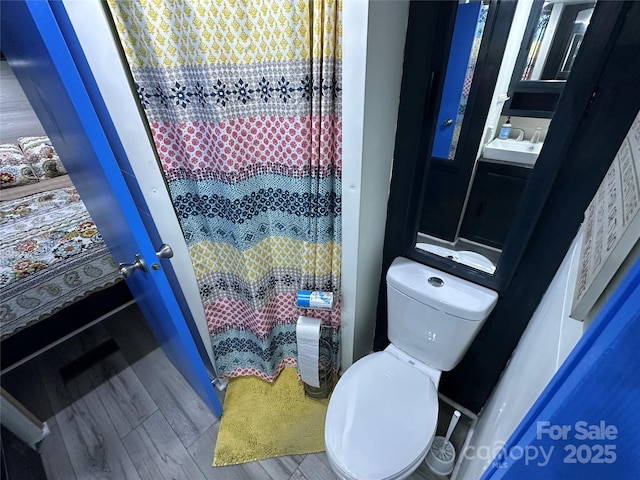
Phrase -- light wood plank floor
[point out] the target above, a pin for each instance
(16, 115)
(133, 416)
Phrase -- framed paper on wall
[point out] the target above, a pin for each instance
(611, 224)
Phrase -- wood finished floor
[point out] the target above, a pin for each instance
(133, 416)
(17, 117)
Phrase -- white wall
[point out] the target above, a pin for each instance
(373, 51)
(545, 344)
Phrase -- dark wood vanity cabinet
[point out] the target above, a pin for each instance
(493, 202)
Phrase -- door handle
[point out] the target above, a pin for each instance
(448, 122)
(165, 251)
(126, 269)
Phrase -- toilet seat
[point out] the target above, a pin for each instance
(381, 418)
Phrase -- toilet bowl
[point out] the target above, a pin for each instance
(381, 418)
(383, 412)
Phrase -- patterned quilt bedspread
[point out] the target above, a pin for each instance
(51, 255)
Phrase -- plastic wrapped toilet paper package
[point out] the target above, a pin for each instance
(315, 299)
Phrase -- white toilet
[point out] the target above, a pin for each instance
(383, 411)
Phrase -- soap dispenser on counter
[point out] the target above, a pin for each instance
(505, 130)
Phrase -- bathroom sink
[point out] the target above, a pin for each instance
(466, 257)
(475, 260)
(512, 151)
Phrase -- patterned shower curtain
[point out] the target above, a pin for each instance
(243, 98)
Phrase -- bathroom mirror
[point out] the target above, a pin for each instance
(552, 40)
(470, 201)
(480, 32)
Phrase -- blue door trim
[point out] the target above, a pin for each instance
(586, 419)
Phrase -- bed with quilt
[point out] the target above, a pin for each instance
(53, 262)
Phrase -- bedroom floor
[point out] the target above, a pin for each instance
(131, 415)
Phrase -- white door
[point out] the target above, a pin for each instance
(39, 42)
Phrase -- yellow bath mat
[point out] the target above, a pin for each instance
(264, 420)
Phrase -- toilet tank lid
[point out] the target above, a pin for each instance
(440, 290)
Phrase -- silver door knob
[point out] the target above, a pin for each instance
(165, 251)
(126, 269)
(448, 122)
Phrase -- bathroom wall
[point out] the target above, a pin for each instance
(545, 344)
(373, 51)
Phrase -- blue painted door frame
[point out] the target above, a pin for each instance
(585, 423)
(77, 122)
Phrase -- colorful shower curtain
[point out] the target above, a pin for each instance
(243, 98)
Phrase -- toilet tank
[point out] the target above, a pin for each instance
(432, 315)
